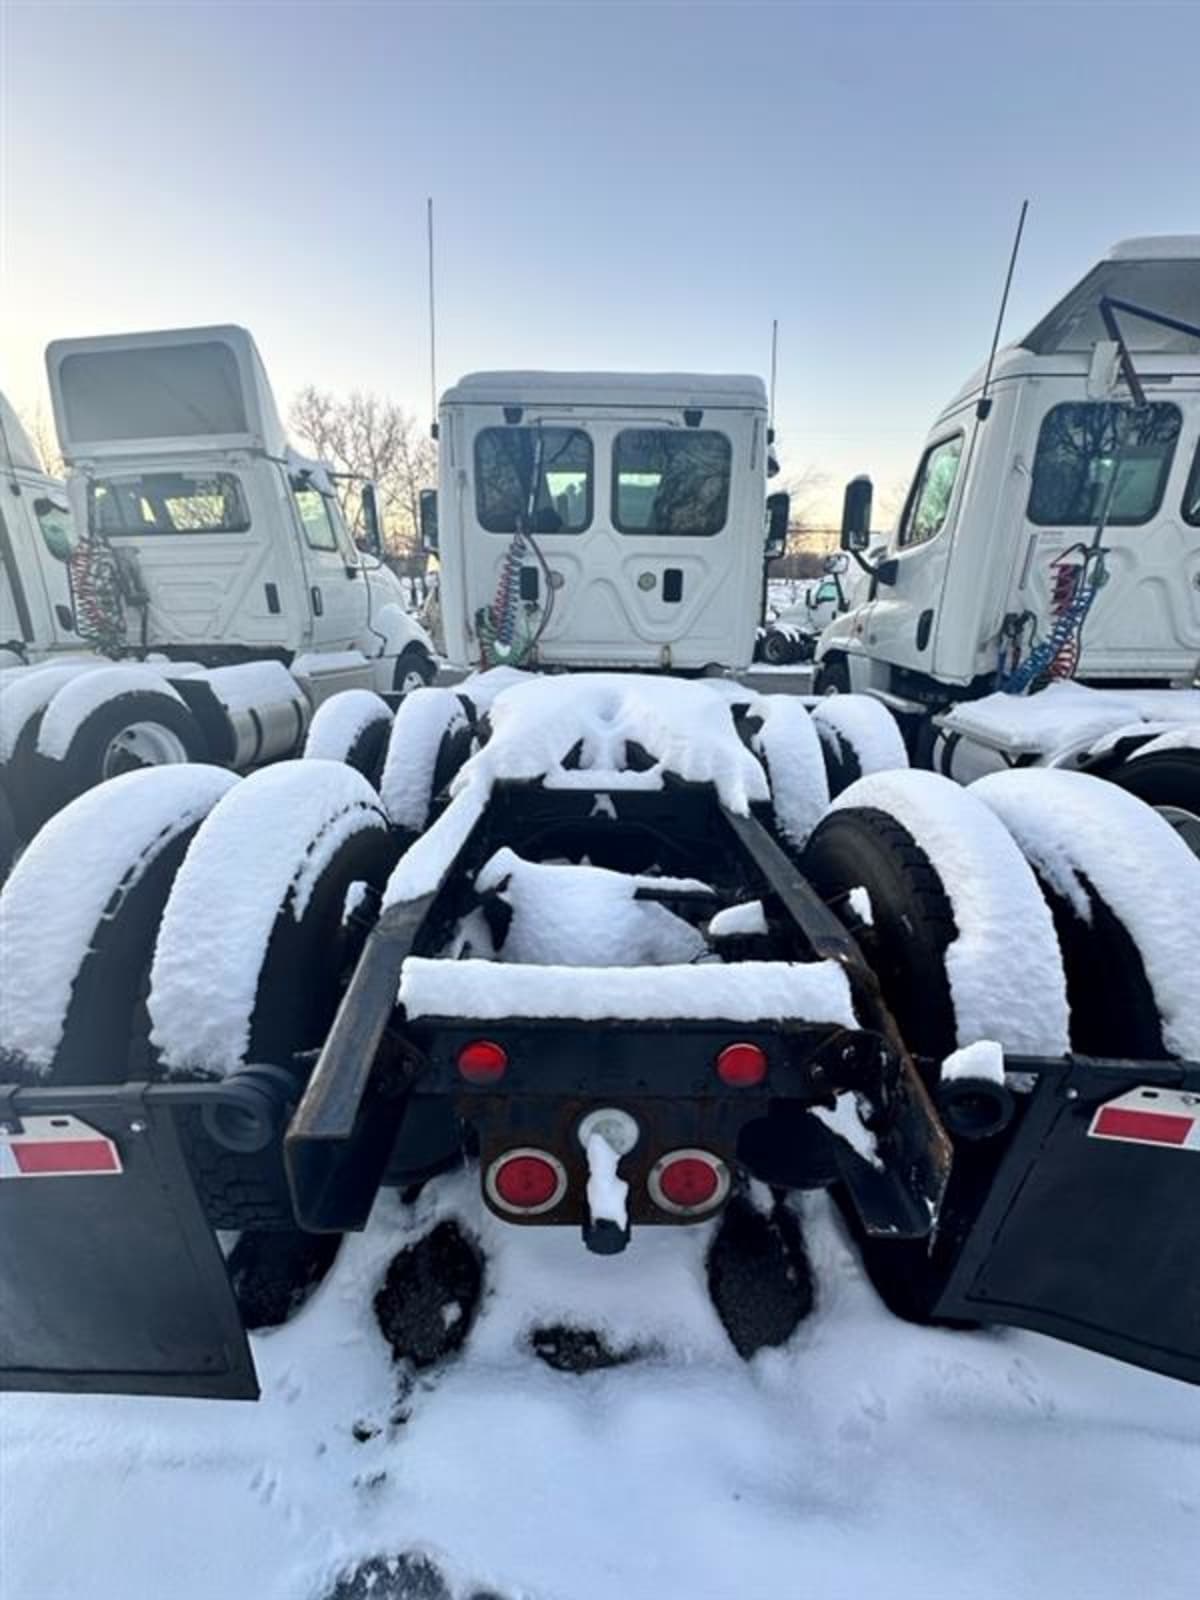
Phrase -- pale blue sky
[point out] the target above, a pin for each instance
(617, 185)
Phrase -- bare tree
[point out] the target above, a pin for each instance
(44, 440)
(371, 437)
(807, 488)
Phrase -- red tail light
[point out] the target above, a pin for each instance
(526, 1181)
(482, 1061)
(741, 1066)
(689, 1182)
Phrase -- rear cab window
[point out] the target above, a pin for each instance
(671, 482)
(928, 503)
(168, 502)
(1080, 445)
(505, 463)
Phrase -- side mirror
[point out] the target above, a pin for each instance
(429, 520)
(836, 563)
(779, 511)
(856, 514)
(372, 535)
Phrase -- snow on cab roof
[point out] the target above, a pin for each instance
(1157, 247)
(16, 448)
(609, 389)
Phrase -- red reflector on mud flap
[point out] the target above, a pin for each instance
(1164, 1117)
(57, 1147)
(526, 1182)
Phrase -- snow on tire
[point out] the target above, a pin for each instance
(78, 918)
(113, 720)
(351, 727)
(1124, 889)
(254, 944)
(858, 736)
(789, 746)
(430, 733)
(960, 935)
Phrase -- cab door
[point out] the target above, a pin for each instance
(337, 587)
(899, 625)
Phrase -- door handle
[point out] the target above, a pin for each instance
(318, 604)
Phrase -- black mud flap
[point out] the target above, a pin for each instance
(111, 1278)
(1091, 1230)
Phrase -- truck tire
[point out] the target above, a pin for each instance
(255, 942)
(858, 736)
(777, 648)
(78, 919)
(430, 739)
(903, 865)
(415, 668)
(832, 677)
(1168, 780)
(1124, 890)
(9, 838)
(351, 727)
(135, 729)
(789, 748)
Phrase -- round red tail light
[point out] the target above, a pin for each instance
(741, 1066)
(689, 1181)
(482, 1061)
(526, 1181)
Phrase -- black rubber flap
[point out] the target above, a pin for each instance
(1091, 1231)
(112, 1282)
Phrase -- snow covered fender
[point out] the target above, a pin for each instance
(399, 629)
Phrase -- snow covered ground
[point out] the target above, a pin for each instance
(866, 1458)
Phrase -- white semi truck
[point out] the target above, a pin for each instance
(196, 571)
(607, 520)
(1050, 542)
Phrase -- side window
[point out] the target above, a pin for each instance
(54, 523)
(1079, 445)
(1191, 495)
(929, 498)
(671, 481)
(504, 465)
(319, 532)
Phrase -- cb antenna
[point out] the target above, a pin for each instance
(774, 356)
(984, 406)
(433, 398)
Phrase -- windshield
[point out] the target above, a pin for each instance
(504, 459)
(671, 482)
(168, 502)
(1169, 287)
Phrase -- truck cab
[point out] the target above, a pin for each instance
(230, 545)
(604, 520)
(1013, 487)
(35, 542)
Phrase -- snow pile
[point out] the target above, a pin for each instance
(261, 851)
(1065, 714)
(859, 902)
(483, 687)
(30, 690)
(252, 684)
(77, 699)
(865, 726)
(738, 921)
(423, 866)
(789, 744)
(424, 719)
(44, 934)
(1074, 827)
(981, 1061)
(686, 1472)
(1004, 967)
(537, 725)
(586, 916)
(342, 720)
(742, 991)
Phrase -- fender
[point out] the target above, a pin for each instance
(396, 628)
